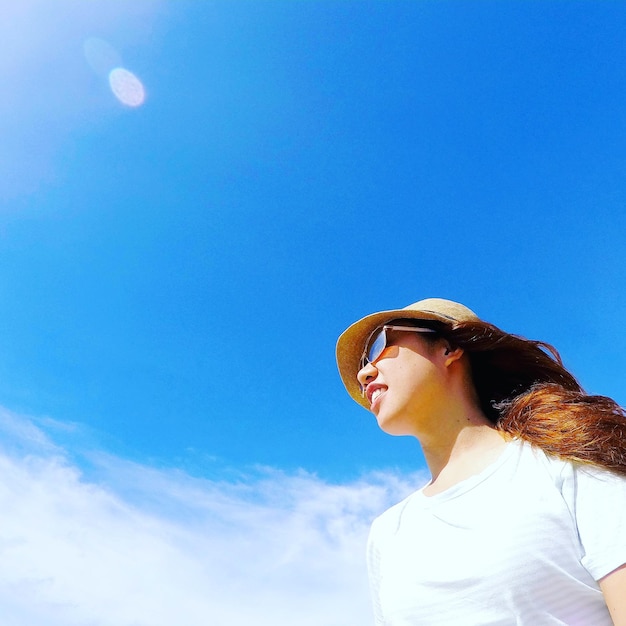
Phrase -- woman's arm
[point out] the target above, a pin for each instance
(613, 587)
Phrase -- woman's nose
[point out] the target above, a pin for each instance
(366, 374)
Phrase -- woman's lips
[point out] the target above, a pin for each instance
(374, 394)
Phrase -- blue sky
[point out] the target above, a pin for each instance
(174, 274)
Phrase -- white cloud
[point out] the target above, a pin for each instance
(141, 546)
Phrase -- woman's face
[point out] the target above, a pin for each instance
(406, 385)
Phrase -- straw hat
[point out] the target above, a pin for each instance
(352, 341)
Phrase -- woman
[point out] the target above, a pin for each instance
(524, 519)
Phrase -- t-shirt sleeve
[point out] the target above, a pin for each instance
(373, 570)
(600, 511)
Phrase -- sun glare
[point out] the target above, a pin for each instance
(127, 88)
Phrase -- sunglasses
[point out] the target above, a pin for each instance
(377, 341)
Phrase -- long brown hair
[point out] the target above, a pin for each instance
(524, 388)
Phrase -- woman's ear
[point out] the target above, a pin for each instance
(452, 355)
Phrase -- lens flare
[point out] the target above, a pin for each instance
(101, 56)
(126, 87)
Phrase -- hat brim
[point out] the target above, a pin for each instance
(351, 342)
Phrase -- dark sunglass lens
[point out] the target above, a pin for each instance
(377, 346)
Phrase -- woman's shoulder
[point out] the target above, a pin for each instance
(389, 520)
(567, 472)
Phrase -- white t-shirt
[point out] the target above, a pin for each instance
(522, 543)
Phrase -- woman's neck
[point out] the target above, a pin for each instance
(462, 455)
